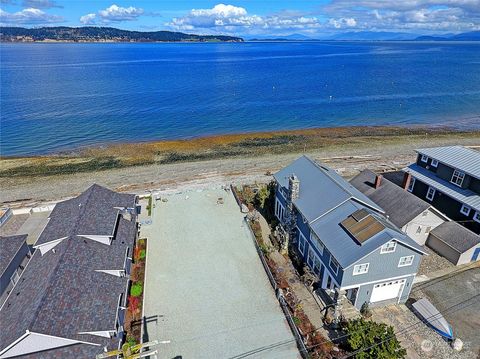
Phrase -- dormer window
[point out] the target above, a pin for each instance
(424, 158)
(465, 210)
(388, 247)
(457, 178)
(434, 163)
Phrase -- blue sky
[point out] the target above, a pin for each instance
(250, 18)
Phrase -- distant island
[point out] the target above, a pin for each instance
(102, 34)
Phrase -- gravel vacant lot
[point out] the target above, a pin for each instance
(206, 283)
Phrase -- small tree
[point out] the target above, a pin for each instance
(373, 340)
(248, 195)
(262, 195)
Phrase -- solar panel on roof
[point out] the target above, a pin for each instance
(362, 226)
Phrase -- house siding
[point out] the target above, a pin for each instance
(466, 257)
(383, 266)
(12, 267)
(443, 249)
(475, 185)
(431, 220)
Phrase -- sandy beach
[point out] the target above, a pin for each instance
(215, 160)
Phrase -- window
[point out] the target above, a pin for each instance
(389, 247)
(424, 158)
(411, 184)
(316, 241)
(465, 210)
(434, 163)
(429, 228)
(301, 244)
(316, 266)
(457, 178)
(476, 217)
(419, 229)
(405, 261)
(311, 257)
(430, 193)
(333, 265)
(360, 268)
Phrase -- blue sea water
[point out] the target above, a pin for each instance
(57, 97)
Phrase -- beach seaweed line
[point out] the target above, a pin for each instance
(216, 147)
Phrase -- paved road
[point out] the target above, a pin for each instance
(205, 281)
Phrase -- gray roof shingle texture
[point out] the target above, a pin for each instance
(9, 246)
(456, 236)
(400, 205)
(326, 199)
(61, 293)
(465, 159)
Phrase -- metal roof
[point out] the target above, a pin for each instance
(456, 236)
(343, 247)
(321, 188)
(462, 195)
(400, 205)
(462, 158)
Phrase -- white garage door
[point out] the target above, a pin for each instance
(387, 290)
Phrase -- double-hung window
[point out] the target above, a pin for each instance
(301, 244)
(405, 261)
(411, 184)
(360, 268)
(388, 247)
(317, 243)
(457, 178)
(430, 193)
(311, 257)
(334, 265)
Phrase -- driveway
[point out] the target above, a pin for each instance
(205, 283)
(457, 297)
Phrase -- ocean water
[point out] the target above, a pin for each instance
(57, 97)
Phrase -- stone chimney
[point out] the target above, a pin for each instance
(293, 188)
(407, 177)
(378, 181)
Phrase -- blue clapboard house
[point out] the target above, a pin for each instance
(344, 237)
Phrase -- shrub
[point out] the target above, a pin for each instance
(142, 254)
(136, 290)
(248, 195)
(365, 310)
(131, 341)
(373, 340)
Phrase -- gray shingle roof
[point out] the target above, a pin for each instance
(61, 293)
(321, 188)
(465, 159)
(9, 246)
(401, 206)
(465, 196)
(456, 236)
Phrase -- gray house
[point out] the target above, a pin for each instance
(70, 300)
(449, 179)
(344, 237)
(414, 216)
(14, 254)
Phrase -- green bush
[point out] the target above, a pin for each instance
(371, 340)
(142, 254)
(131, 341)
(136, 290)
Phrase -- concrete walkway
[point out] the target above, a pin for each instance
(205, 284)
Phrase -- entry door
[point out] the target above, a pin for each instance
(387, 290)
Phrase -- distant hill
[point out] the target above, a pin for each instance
(466, 36)
(102, 34)
(373, 36)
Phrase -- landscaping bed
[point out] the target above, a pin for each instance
(133, 318)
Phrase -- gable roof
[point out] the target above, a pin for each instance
(463, 195)
(326, 200)
(9, 246)
(465, 159)
(400, 205)
(456, 236)
(320, 182)
(343, 247)
(60, 293)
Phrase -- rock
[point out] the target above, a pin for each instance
(457, 344)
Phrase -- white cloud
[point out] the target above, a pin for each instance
(40, 4)
(88, 19)
(229, 18)
(113, 13)
(29, 16)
